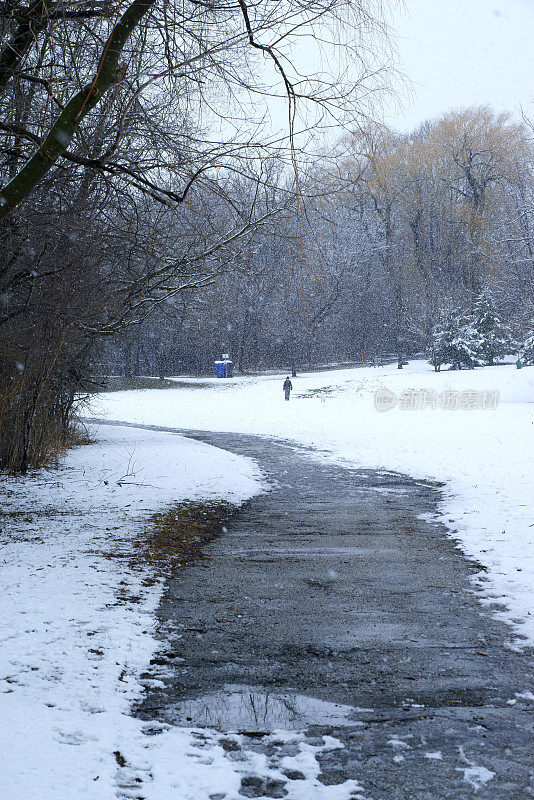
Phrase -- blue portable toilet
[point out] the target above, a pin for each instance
(224, 367)
(220, 369)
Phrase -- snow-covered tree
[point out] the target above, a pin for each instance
(442, 336)
(466, 345)
(526, 354)
(457, 342)
(486, 321)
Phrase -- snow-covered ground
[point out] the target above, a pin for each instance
(77, 617)
(472, 430)
(78, 629)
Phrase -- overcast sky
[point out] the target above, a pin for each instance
(464, 52)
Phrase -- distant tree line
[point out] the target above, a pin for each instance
(393, 249)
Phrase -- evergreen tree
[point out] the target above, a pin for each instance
(456, 341)
(466, 345)
(442, 336)
(526, 354)
(495, 340)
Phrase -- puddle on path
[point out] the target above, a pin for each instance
(249, 708)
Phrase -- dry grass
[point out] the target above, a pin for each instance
(174, 537)
(120, 384)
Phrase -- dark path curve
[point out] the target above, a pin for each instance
(330, 588)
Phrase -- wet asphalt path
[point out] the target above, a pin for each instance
(329, 591)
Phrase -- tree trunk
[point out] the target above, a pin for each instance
(77, 108)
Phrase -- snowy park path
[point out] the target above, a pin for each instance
(331, 605)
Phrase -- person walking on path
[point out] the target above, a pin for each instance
(287, 387)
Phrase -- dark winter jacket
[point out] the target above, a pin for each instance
(287, 385)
